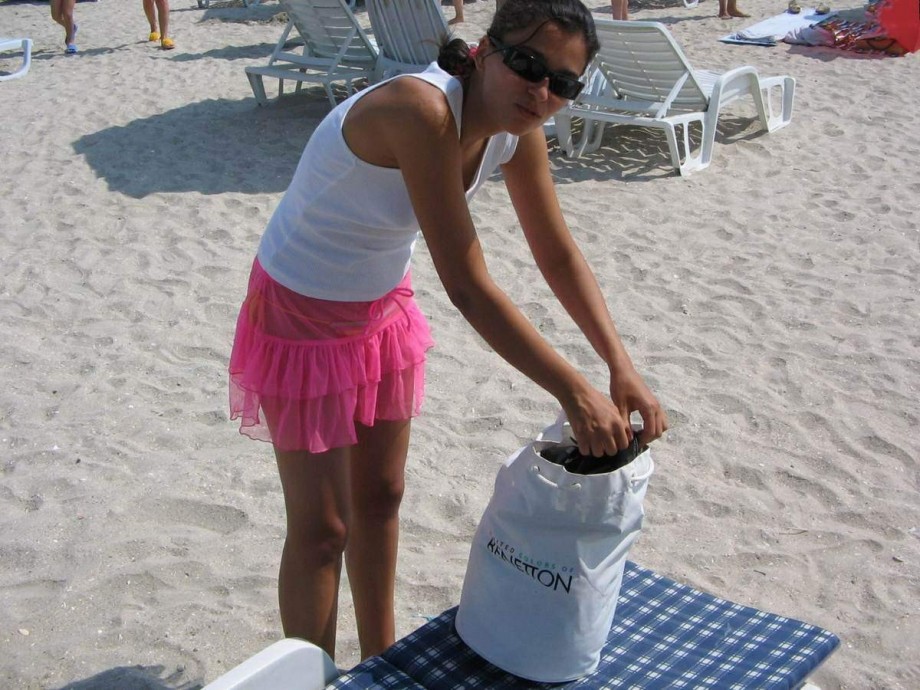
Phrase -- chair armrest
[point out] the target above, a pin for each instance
(286, 665)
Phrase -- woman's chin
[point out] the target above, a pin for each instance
(526, 122)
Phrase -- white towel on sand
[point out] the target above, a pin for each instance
(771, 30)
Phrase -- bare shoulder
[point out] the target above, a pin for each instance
(407, 102)
(403, 113)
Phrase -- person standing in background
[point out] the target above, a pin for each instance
(62, 13)
(157, 12)
(458, 13)
(729, 9)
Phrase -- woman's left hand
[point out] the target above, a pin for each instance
(629, 392)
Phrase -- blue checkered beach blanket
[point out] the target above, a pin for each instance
(665, 635)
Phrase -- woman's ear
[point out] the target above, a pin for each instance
(481, 50)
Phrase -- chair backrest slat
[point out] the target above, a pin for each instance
(408, 31)
(329, 28)
(643, 63)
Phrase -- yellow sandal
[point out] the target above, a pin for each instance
(154, 36)
(167, 44)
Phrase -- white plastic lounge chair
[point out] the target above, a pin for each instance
(335, 49)
(21, 44)
(287, 663)
(665, 634)
(408, 33)
(641, 77)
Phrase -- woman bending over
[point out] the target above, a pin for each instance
(328, 358)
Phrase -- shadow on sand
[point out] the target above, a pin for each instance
(208, 147)
(639, 154)
(135, 678)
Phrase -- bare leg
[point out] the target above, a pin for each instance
(458, 12)
(62, 13)
(163, 17)
(316, 500)
(733, 10)
(377, 483)
(620, 9)
(151, 16)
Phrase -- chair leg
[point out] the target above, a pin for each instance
(331, 96)
(784, 88)
(592, 137)
(258, 88)
(592, 132)
(674, 148)
(684, 158)
(25, 45)
(710, 122)
(379, 70)
(788, 98)
(564, 133)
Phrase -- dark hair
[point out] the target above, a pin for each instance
(571, 16)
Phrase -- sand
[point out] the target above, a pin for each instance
(771, 302)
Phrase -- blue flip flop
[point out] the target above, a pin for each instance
(71, 48)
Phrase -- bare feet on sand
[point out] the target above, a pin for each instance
(728, 9)
(458, 13)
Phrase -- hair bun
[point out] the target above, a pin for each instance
(456, 58)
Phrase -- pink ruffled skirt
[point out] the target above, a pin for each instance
(303, 371)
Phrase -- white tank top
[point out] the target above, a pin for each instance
(345, 229)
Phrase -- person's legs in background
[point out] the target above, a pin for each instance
(62, 12)
(150, 11)
(458, 12)
(157, 12)
(729, 9)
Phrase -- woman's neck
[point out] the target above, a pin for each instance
(476, 126)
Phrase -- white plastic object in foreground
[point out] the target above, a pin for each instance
(285, 665)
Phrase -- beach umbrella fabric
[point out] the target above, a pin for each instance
(901, 21)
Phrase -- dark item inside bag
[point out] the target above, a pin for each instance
(576, 463)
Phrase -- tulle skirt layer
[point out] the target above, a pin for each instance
(303, 371)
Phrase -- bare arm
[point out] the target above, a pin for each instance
(424, 143)
(567, 272)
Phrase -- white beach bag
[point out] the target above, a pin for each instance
(546, 562)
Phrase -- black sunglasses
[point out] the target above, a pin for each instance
(533, 69)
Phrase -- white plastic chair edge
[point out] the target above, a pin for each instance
(288, 664)
(23, 44)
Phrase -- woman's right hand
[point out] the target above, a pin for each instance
(597, 424)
